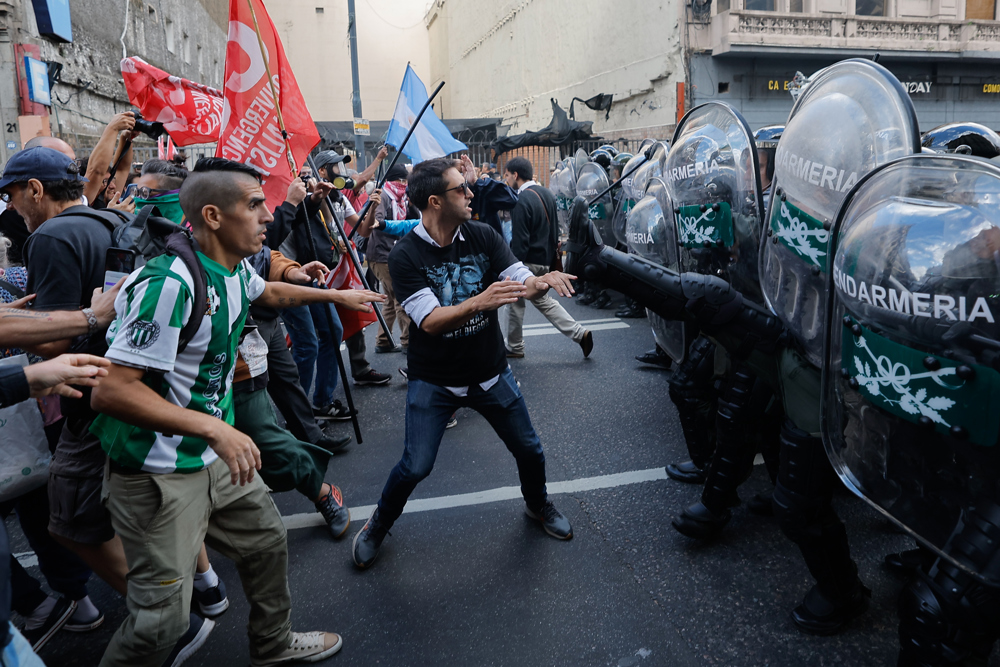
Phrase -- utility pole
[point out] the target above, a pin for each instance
(352, 31)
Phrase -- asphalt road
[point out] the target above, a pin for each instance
(471, 581)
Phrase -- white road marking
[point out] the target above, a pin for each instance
(546, 329)
(310, 519)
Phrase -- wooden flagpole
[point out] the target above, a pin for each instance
(274, 93)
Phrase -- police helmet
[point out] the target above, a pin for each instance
(601, 157)
(963, 138)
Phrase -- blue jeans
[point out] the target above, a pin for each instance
(428, 409)
(314, 346)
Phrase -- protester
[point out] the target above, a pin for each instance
(490, 196)
(534, 241)
(183, 475)
(287, 462)
(330, 165)
(394, 206)
(65, 258)
(114, 148)
(451, 276)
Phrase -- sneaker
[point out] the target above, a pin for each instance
(195, 637)
(62, 611)
(210, 603)
(337, 517)
(332, 444)
(452, 423)
(336, 411)
(87, 617)
(403, 372)
(305, 647)
(511, 354)
(368, 541)
(388, 349)
(554, 523)
(372, 377)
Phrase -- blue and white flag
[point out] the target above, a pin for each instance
(431, 139)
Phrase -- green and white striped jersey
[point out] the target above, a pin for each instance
(154, 304)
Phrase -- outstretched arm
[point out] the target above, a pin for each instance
(284, 295)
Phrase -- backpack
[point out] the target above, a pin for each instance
(150, 235)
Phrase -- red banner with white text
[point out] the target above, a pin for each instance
(250, 129)
(190, 112)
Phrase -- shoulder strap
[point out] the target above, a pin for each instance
(542, 202)
(110, 218)
(182, 245)
(16, 291)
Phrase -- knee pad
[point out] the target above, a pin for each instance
(944, 621)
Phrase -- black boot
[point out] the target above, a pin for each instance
(631, 309)
(655, 357)
(820, 614)
(688, 472)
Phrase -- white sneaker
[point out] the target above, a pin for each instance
(305, 647)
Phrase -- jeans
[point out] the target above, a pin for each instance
(312, 345)
(428, 409)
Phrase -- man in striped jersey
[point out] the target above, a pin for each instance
(179, 472)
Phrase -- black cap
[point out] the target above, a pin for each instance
(41, 163)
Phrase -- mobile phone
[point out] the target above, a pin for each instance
(129, 191)
(118, 263)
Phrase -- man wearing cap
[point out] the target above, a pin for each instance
(65, 257)
(346, 202)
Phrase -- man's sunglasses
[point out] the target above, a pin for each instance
(464, 187)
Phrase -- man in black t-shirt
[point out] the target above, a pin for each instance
(65, 257)
(451, 276)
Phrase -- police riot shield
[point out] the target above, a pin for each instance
(650, 233)
(591, 181)
(911, 394)
(629, 197)
(853, 116)
(563, 186)
(714, 181)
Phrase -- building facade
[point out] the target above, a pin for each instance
(659, 59)
(945, 52)
(507, 59)
(81, 45)
(391, 33)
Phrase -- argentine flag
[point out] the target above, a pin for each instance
(431, 139)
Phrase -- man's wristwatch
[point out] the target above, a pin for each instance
(92, 324)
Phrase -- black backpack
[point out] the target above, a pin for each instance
(150, 235)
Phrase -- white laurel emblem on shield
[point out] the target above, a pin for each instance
(798, 236)
(692, 231)
(897, 376)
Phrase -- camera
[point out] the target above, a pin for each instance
(149, 128)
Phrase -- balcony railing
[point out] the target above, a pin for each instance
(733, 29)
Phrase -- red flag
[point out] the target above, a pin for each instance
(250, 129)
(344, 276)
(190, 112)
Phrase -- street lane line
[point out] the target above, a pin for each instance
(593, 327)
(582, 322)
(310, 519)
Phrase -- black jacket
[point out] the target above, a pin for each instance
(489, 198)
(534, 231)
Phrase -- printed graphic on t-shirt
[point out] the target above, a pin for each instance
(453, 283)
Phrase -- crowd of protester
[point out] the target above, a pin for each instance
(142, 414)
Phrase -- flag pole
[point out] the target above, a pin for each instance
(274, 93)
(312, 241)
(399, 151)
